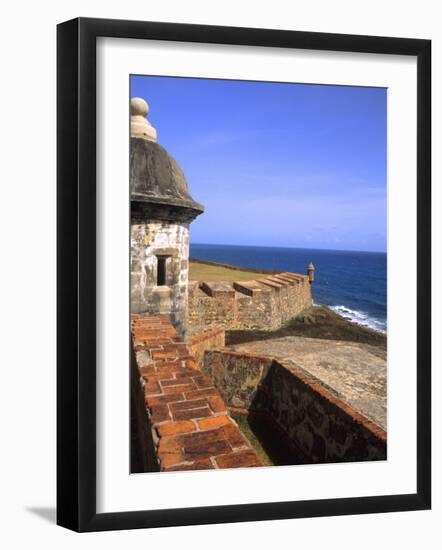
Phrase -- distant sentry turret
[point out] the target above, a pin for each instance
(311, 272)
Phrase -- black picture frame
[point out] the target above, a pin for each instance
(76, 274)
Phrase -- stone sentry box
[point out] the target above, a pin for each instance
(161, 211)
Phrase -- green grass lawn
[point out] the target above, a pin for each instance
(244, 426)
(205, 272)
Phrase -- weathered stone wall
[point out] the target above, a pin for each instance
(200, 343)
(148, 241)
(263, 304)
(314, 422)
(237, 375)
(190, 425)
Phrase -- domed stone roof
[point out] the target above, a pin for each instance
(158, 188)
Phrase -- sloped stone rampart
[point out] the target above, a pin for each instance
(314, 422)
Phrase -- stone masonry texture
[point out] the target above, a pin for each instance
(191, 427)
(266, 303)
(356, 372)
(170, 240)
(207, 340)
(312, 420)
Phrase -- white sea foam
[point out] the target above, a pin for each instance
(360, 318)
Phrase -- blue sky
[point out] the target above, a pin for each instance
(277, 164)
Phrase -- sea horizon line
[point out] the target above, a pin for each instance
(292, 248)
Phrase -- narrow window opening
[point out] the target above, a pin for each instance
(161, 270)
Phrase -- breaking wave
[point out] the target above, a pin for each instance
(360, 318)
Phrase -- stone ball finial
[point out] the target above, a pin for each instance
(138, 106)
(140, 127)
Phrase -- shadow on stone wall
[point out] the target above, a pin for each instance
(142, 451)
(274, 441)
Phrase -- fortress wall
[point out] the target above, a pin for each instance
(207, 312)
(312, 420)
(190, 427)
(200, 343)
(237, 375)
(263, 304)
(297, 298)
(258, 311)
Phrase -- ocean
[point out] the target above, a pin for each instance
(353, 284)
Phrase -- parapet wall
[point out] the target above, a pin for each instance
(314, 422)
(190, 427)
(266, 303)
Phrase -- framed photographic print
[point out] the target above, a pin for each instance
(243, 274)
